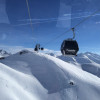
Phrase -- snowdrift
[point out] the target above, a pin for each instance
(86, 61)
(36, 76)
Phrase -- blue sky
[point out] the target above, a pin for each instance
(50, 18)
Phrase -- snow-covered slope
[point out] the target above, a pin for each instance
(15, 85)
(3, 53)
(87, 61)
(51, 54)
(36, 76)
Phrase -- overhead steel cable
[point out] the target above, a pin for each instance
(57, 37)
(72, 27)
(30, 17)
(87, 18)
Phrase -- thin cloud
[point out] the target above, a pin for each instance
(53, 20)
(46, 19)
(98, 22)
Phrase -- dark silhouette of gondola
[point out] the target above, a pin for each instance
(37, 48)
(42, 48)
(70, 46)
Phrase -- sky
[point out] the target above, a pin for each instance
(50, 18)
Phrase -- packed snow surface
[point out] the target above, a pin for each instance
(36, 76)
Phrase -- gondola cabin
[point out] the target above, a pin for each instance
(69, 47)
(37, 48)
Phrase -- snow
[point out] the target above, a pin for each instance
(89, 62)
(18, 86)
(43, 69)
(35, 76)
(3, 53)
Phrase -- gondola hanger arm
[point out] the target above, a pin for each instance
(73, 29)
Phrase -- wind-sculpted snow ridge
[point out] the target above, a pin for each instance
(87, 61)
(43, 77)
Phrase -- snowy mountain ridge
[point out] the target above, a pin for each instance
(37, 76)
(89, 62)
(3, 53)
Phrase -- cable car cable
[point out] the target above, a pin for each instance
(31, 25)
(87, 18)
(73, 27)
